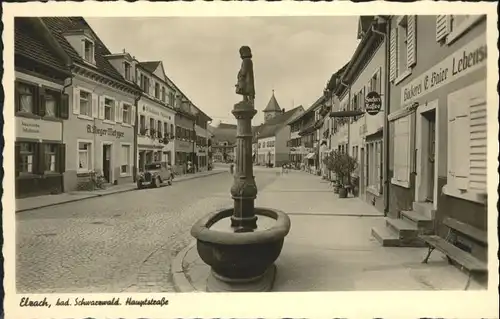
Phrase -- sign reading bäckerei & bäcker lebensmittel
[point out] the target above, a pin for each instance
(467, 59)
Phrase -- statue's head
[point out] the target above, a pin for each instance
(245, 52)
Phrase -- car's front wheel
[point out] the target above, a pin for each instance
(157, 182)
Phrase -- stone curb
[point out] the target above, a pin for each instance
(181, 283)
(111, 193)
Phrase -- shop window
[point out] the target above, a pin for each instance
(84, 156)
(127, 114)
(85, 103)
(26, 157)
(125, 167)
(50, 151)
(109, 109)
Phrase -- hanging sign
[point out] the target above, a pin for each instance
(373, 103)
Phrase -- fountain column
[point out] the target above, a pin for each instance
(244, 189)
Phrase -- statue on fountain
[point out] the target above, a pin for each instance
(245, 85)
(241, 253)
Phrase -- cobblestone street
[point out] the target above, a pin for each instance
(118, 243)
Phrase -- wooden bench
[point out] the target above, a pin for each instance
(452, 252)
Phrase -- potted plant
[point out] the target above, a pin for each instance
(342, 165)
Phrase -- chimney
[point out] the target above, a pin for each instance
(283, 110)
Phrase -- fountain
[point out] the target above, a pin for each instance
(241, 243)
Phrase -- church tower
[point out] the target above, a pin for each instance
(272, 109)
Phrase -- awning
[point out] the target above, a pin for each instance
(310, 155)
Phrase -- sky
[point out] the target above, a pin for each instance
(294, 56)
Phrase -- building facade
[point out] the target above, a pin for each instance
(156, 115)
(223, 142)
(202, 139)
(438, 119)
(99, 136)
(41, 111)
(362, 136)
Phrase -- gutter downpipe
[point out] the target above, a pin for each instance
(136, 131)
(386, 187)
(63, 91)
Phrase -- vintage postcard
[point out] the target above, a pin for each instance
(250, 160)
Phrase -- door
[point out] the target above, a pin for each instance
(106, 162)
(431, 158)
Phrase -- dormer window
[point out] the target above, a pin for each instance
(127, 70)
(88, 53)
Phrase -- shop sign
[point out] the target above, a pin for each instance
(373, 103)
(38, 129)
(152, 111)
(104, 131)
(469, 58)
(183, 146)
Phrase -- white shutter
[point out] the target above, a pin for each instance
(76, 100)
(379, 167)
(132, 115)
(443, 26)
(402, 148)
(116, 111)
(452, 101)
(462, 142)
(362, 97)
(411, 46)
(393, 54)
(101, 107)
(119, 112)
(95, 106)
(477, 133)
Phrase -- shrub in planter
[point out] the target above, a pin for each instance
(342, 165)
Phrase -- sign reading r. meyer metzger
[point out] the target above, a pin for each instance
(469, 58)
(104, 131)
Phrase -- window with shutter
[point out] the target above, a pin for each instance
(443, 27)
(411, 42)
(467, 133)
(393, 54)
(402, 152)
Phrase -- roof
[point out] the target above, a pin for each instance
(150, 66)
(364, 23)
(332, 83)
(309, 110)
(29, 43)
(58, 25)
(272, 105)
(271, 127)
(223, 133)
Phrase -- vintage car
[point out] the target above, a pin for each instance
(155, 174)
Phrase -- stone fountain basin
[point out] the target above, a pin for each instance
(241, 255)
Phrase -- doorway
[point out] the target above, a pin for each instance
(431, 154)
(106, 162)
(427, 130)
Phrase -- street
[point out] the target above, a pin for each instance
(117, 243)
